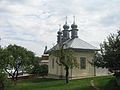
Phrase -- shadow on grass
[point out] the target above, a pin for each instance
(111, 85)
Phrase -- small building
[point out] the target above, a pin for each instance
(45, 58)
(83, 51)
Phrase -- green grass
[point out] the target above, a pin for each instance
(104, 83)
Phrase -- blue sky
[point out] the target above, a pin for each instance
(34, 23)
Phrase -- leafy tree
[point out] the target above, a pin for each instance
(15, 58)
(109, 56)
(65, 58)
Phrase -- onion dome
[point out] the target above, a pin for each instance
(119, 32)
(74, 26)
(59, 32)
(59, 36)
(65, 26)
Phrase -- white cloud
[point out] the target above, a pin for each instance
(34, 23)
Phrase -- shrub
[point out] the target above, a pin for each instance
(40, 70)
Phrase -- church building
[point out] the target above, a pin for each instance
(83, 52)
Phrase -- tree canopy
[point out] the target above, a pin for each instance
(109, 56)
(14, 58)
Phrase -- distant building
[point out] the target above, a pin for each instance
(45, 58)
(84, 53)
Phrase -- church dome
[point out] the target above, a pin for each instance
(73, 26)
(65, 26)
(59, 32)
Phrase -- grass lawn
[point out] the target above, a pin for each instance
(104, 83)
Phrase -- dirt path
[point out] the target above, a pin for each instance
(93, 85)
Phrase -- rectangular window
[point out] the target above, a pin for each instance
(53, 63)
(82, 63)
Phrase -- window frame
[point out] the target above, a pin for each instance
(82, 63)
(53, 63)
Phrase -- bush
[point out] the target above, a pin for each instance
(40, 70)
(117, 75)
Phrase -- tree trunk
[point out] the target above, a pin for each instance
(13, 78)
(16, 75)
(67, 74)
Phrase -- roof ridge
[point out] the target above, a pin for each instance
(79, 43)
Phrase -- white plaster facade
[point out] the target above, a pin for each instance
(57, 71)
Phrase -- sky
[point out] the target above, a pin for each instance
(33, 24)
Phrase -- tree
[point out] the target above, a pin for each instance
(109, 56)
(15, 58)
(65, 58)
